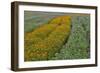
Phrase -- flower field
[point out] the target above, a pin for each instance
(52, 36)
(45, 41)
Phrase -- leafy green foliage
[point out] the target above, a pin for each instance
(77, 46)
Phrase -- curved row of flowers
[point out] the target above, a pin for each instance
(45, 41)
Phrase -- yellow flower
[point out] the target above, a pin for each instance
(46, 40)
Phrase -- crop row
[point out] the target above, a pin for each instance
(78, 44)
(48, 39)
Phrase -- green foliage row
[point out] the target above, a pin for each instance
(78, 44)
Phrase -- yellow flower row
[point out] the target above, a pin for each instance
(52, 40)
